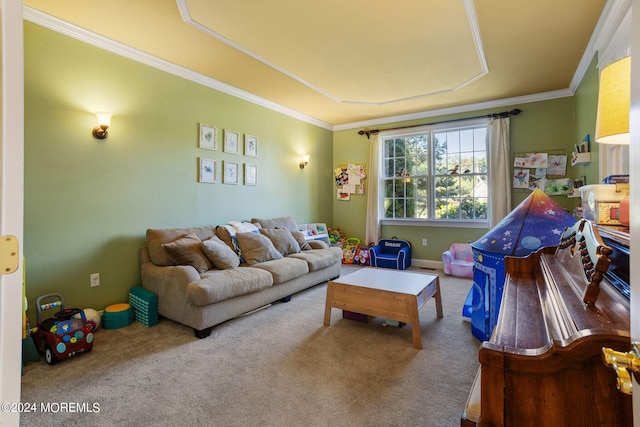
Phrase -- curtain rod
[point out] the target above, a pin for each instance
(513, 112)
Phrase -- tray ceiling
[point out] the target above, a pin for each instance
(347, 61)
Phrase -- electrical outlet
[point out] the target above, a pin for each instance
(95, 280)
(424, 242)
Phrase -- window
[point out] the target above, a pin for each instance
(435, 173)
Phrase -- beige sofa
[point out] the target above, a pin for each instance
(204, 276)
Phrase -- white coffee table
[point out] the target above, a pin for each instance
(391, 294)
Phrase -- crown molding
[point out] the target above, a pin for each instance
(612, 16)
(544, 96)
(55, 24)
(472, 21)
(611, 37)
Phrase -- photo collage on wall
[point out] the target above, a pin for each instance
(350, 179)
(542, 171)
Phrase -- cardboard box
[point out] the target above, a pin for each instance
(601, 202)
(608, 213)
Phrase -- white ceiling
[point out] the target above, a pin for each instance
(345, 62)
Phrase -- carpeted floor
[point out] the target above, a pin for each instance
(275, 367)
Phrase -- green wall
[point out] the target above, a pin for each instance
(88, 202)
(586, 107)
(542, 126)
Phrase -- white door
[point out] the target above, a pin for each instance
(11, 200)
(634, 176)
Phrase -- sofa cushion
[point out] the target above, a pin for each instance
(282, 222)
(282, 240)
(186, 251)
(243, 226)
(227, 234)
(156, 237)
(256, 248)
(219, 285)
(284, 269)
(318, 244)
(318, 259)
(302, 242)
(220, 255)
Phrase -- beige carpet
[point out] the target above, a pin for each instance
(275, 367)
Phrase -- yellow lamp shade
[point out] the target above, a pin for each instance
(614, 99)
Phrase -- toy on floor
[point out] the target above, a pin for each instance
(362, 256)
(350, 250)
(62, 336)
(91, 316)
(391, 253)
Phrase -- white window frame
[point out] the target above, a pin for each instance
(481, 223)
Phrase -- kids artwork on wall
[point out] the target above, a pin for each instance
(542, 171)
(350, 179)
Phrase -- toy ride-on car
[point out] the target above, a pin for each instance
(63, 335)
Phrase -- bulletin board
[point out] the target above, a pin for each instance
(350, 180)
(542, 170)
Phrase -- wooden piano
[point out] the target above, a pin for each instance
(543, 365)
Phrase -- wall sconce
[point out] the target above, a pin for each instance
(614, 100)
(104, 120)
(305, 161)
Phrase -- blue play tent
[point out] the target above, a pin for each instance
(535, 223)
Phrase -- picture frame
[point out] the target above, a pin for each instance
(250, 174)
(207, 170)
(230, 173)
(250, 145)
(207, 137)
(231, 142)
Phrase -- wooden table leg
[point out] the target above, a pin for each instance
(414, 320)
(438, 298)
(327, 306)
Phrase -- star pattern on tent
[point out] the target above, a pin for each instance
(536, 222)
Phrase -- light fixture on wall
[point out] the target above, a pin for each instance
(104, 121)
(305, 161)
(614, 99)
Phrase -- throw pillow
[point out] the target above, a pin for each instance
(227, 234)
(282, 240)
(256, 248)
(302, 242)
(243, 226)
(282, 222)
(221, 255)
(186, 251)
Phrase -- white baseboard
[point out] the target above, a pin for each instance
(427, 263)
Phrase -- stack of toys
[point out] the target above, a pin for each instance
(145, 305)
(117, 316)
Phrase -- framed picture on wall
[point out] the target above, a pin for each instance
(230, 173)
(208, 137)
(208, 170)
(250, 145)
(250, 174)
(231, 142)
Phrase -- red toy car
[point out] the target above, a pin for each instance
(64, 335)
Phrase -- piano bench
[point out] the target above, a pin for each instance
(471, 414)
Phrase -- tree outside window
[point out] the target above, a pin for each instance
(437, 174)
